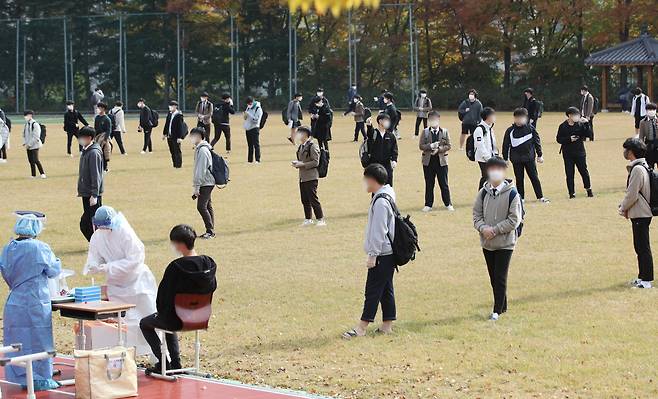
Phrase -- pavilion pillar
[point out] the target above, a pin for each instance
(650, 82)
(640, 77)
(604, 88)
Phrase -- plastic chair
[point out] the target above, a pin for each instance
(194, 311)
(24, 361)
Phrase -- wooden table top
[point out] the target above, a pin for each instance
(94, 307)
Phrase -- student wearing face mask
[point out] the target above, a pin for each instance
(636, 207)
(380, 233)
(393, 114)
(484, 139)
(173, 133)
(382, 145)
(90, 179)
(313, 106)
(649, 134)
(380, 100)
(146, 122)
(531, 104)
(422, 106)
(571, 134)
(189, 273)
(220, 119)
(294, 116)
(71, 118)
(435, 143)
(359, 114)
(587, 108)
(469, 113)
(252, 116)
(204, 109)
(522, 146)
(308, 159)
(497, 213)
(119, 125)
(323, 120)
(32, 143)
(103, 127)
(639, 107)
(203, 181)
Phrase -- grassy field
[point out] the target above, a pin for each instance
(574, 327)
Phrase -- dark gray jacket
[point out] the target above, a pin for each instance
(90, 174)
(470, 112)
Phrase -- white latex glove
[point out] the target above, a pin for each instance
(540, 160)
(393, 164)
(369, 121)
(93, 201)
(93, 269)
(371, 261)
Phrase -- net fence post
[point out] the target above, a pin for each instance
(178, 57)
(66, 57)
(18, 48)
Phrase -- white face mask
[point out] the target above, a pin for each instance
(423, 95)
(386, 101)
(26, 117)
(319, 94)
(496, 176)
(69, 107)
(140, 105)
(434, 123)
(386, 124)
(203, 99)
(471, 97)
(83, 142)
(171, 108)
(651, 113)
(356, 100)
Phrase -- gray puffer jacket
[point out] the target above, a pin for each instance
(496, 211)
(202, 166)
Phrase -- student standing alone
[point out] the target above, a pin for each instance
(32, 143)
(203, 181)
(308, 159)
(435, 144)
(252, 116)
(173, 133)
(71, 118)
(571, 134)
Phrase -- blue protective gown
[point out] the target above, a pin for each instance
(26, 266)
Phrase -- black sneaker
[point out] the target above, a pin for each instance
(572, 196)
(207, 236)
(590, 194)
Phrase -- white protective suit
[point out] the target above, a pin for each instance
(119, 254)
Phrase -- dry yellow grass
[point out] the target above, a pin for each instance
(574, 328)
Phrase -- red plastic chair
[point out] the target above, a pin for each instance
(194, 311)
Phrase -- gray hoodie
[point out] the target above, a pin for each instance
(32, 135)
(202, 167)
(252, 116)
(381, 225)
(497, 212)
(472, 116)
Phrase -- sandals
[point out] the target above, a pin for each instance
(351, 334)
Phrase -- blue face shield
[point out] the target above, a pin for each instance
(28, 225)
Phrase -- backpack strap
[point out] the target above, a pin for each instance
(629, 178)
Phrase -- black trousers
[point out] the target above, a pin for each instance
(219, 129)
(176, 153)
(652, 155)
(323, 144)
(119, 139)
(88, 211)
(359, 127)
(519, 172)
(70, 135)
(433, 172)
(379, 289)
(206, 129)
(33, 159)
(498, 266)
(591, 126)
(3, 151)
(253, 144)
(483, 174)
(570, 164)
(418, 121)
(642, 245)
(204, 206)
(148, 144)
(309, 194)
(148, 325)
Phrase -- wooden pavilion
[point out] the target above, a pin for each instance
(640, 54)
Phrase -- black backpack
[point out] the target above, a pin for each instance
(219, 170)
(405, 243)
(540, 108)
(364, 153)
(184, 130)
(597, 105)
(113, 120)
(653, 189)
(470, 148)
(513, 193)
(263, 119)
(367, 113)
(284, 116)
(154, 119)
(42, 137)
(323, 163)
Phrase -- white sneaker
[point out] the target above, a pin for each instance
(644, 284)
(3, 161)
(257, 162)
(450, 208)
(494, 316)
(544, 200)
(320, 223)
(143, 152)
(69, 155)
(426, 209)
(307, 222)
(43, 175)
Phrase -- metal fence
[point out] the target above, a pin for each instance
(163, 56)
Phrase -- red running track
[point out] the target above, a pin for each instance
(149, 388)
